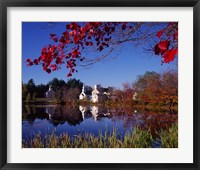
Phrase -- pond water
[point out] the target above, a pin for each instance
(89, 119)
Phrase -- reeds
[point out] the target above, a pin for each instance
(169, 137)
(137, 138)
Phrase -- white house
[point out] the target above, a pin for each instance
(50, 93)
(94, 97)
(135, 96)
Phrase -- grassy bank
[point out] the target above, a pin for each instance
(138, 138)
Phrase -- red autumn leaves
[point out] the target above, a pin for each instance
(68, 48)
(168, 45)
(159, 33)
(161, 47)
(169, 55)
(48, 54)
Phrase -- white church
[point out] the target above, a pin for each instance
(50, 93)
(94, 97)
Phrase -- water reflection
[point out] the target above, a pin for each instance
(82, 110)
(91, 119)
(94, 111)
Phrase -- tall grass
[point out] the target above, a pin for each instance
(137, 138)
(169, 137)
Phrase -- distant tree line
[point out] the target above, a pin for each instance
(151, 88)
(63, 90)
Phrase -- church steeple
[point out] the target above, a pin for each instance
(83, 89)
(82, 95)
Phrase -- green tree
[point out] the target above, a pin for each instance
(31, 87)
(74, 83)
(24, 91)
(40, 90)
(148, 87)
(56, 84)
(28, 98)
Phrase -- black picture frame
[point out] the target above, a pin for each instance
(97, 3)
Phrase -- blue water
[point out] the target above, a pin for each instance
(81, 120)
(45, 120)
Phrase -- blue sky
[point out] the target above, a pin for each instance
(127, 64)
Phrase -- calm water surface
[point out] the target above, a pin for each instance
(90, 119)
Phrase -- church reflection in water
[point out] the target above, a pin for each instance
(62, 114)
(95, 112)
(90, 119)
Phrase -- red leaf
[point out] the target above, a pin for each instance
(90, 44)
(170, 55)
(163, 45)
(157, 50)
(68, 26)
(159, 33)
(60, 47)
(54, 67)
(100, 48)
(59, 60)
(28, 60)
(62, 40)
(66, 34)
(55, 39)
(52, 35)
(69, 75)
(123, 26)
(52, 49)
(48, 71)
(45, 68)
(176, 35)
(44, 50)
(36, 62)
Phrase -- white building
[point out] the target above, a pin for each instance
(82, 110)
(50, 93)
(94, 97)
(94, 110)
(82, 95)
(135, 96)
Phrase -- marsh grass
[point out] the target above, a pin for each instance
(169, 137)
(137, 138)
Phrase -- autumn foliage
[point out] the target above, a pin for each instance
(168, 45)
(158, 89)
(69, 48)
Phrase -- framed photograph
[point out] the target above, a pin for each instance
(94, 84)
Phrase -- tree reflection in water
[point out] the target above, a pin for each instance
(96, 118)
